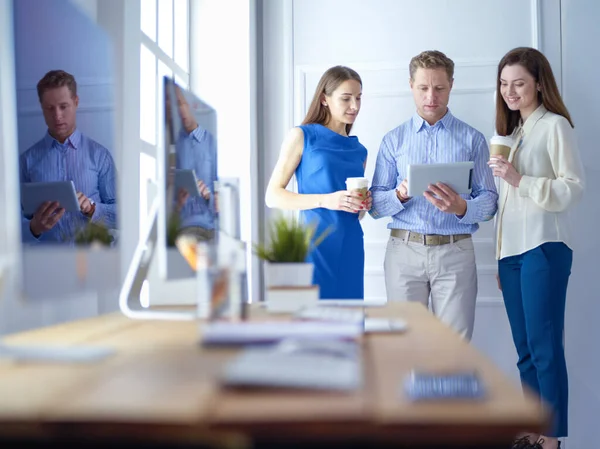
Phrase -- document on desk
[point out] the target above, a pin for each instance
(226, 333)
(465, 385)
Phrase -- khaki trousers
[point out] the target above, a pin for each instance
(442, 277)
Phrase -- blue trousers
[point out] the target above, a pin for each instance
(534, 286)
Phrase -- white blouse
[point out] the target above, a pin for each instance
(545, 153)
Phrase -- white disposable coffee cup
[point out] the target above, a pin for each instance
(360, 184)
(500, 146)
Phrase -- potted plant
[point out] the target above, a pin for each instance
(94, 234)
(290, 243)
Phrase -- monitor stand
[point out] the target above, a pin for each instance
(130, 296)
(135, 280)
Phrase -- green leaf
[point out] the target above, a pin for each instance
(290, 240)
(93, 232)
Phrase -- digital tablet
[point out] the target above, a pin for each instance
(186, 179)
(34, 194)
(456, 175)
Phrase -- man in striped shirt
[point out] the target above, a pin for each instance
(430, 255)
(65, 154)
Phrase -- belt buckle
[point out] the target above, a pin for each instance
(434, 240)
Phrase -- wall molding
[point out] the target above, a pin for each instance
(490, 301)
(97, 108)
(383, 242)
(455, 91)
(301, 71)
(482, 301)
(482, 270)
(378, 66)
(31, 84)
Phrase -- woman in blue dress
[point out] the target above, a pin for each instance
(322, 155)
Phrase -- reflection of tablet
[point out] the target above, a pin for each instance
(186, 179)
(34, 194)
(457, 175)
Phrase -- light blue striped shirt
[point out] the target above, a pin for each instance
(91, 168)
(197, 151)
(417, 142)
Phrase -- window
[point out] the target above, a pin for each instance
(164, 51)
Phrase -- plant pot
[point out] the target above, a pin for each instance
(288, 274)
(69, 269)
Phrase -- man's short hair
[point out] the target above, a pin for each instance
(55, 79)
(432, 59)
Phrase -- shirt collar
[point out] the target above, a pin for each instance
(533, 119)
(419, 123)
(72, 141)
(198, 133)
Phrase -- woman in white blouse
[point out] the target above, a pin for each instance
(541, 180)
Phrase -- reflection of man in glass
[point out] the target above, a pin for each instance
(196, 150)
(65, 154)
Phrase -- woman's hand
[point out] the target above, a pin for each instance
(505, 170)
(347, 201)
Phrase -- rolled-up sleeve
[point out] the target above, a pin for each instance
(383, 186)
(106, 210)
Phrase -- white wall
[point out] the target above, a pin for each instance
(81, 49)
(581, 66)
(10, 247)
(89, 7)
(275, 92)
(121, 20)
(223, 73)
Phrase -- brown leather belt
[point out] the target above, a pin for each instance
(428, 239)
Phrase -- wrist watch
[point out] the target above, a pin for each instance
(90, 214)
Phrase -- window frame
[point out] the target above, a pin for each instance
(151, 148)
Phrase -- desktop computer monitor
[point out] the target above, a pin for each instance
(189, 212)
(193, 204)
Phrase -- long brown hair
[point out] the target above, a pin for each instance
(329, 82)
(538, 66)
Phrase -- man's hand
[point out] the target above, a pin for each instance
(45, 218)
(84, 203)
(447, 199)
(402, 192)
(204, 191)
(182, 197)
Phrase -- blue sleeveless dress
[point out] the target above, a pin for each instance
(327, 160)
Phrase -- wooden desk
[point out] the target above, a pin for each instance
(162, 385)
